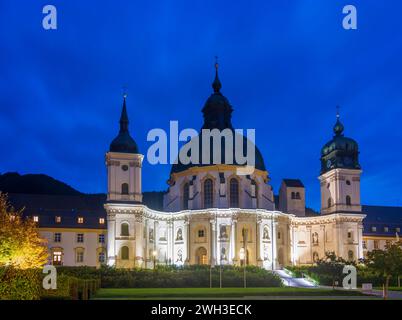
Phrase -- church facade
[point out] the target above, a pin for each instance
(213, 215)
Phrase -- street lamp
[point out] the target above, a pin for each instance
(242, 255)
(154, 253)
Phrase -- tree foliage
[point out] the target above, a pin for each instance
(20, 243)
(386, 263)
(332, 265)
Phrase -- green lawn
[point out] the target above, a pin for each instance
(395, 288)
(390, 288)
(155, 293)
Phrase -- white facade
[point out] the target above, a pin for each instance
(185, 233)
(124, 176)
(76, 247)
(215, 236)
(340, 191)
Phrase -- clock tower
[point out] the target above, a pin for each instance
(340, 174)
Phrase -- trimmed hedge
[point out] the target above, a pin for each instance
(18, 284)
(71, 288)
(175, 277)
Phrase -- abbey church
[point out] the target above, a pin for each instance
(212, 215)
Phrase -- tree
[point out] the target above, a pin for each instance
(332, 265)
(20, 243)
(386, 263)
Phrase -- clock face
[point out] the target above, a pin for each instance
(329, 164)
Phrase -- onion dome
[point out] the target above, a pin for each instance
(340, 151)
(124, 143)
(217, 113)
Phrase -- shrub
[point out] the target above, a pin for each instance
(20, 284)
(62, 292)
(175, 277)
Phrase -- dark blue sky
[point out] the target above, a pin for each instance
(284, 66)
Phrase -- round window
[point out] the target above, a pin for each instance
(124, 167)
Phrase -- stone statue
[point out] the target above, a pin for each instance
(266, 233)
(179, 234)
(315, 238)
(179, 255)
(223, 232)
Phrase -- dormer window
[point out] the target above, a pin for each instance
(386, 229)
(35, 218)
(374, 229)
(57, 219)
(101, 220)
(80, 220)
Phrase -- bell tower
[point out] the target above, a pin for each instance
(124, 165)
(340, 173)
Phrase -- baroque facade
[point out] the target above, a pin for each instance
(214, 215)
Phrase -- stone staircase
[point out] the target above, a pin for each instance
(290, 281)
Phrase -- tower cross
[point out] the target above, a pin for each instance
(337, 111)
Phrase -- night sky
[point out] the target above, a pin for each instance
(284, 66)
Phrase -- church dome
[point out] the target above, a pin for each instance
(217, 113)
(340, 151)
(179, 167)
(124, 143)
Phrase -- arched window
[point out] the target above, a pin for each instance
(348, 201)
(186, 193)
(298, 195)
(234, 193)
(329, 202)
(124, 229)
(124, 253)
(208, 193)
(124, 188)
(293, 195)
